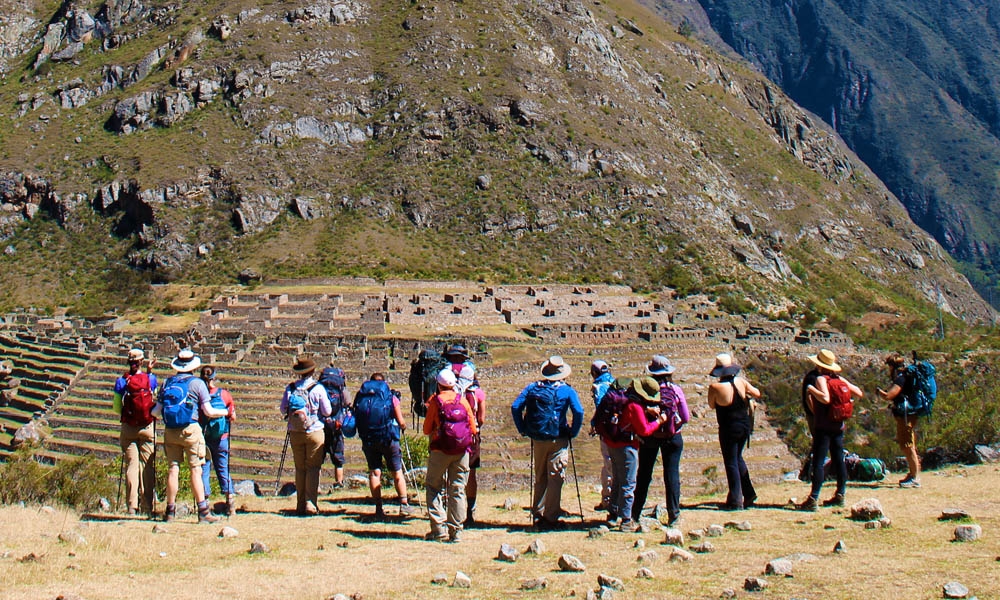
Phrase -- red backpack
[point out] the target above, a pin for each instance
(841, 407)
(137, 401)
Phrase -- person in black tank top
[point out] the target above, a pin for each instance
(729, 399)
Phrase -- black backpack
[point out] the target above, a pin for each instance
(423, 378)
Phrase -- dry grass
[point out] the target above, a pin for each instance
(338, 552)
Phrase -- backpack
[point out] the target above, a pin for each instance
(333, 379)
(541, 415)
(179, 411)
(841, 407)
(423, 378)
(137, 401)
(864, 469)
(215, 429)
(920, 390)
(668, 406)
(608, 418)
(373, 416)
(454, 432)
(300, 417)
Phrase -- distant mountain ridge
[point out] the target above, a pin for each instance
(536, 141)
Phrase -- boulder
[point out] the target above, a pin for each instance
(954, 514)
(674, 537)
(536, 547)
(869, 509)
(968, 533)
(954, 589)
(607, 581)
(755, 584)
(648, 557)
(507, 553)
(538, 583)
(257, 547)
(572, 564)
(228, 532)
(644, 573)
(779, 566)
(703, 548)
(680, 554)
(461, 581)
(247, 487)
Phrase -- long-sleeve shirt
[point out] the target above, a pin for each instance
(570, 401)
(432, 423)
(600, 387)
(318, 402)
(636, 421)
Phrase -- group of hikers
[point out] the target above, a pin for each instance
(637, 419)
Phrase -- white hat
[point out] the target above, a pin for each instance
(555, 369)
(446, 378)
(136, 355)
(186, 361)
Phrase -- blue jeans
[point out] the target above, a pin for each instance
(741, 492)
(218, 455)
(670, 449)
(624, 464)
(832, 442)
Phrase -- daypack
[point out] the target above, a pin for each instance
(454, 432)
(609, 417)
(920, 391)
(215, 429)
(864, 469)
(669, 399)
(541, 414)
(841, 407)
(423, 378)
(334, 380)
(300, 416)
(373, 413)
(137, 401)
(179, 411)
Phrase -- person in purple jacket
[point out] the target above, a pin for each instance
(666, 441)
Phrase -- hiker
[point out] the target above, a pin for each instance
(666, 441)
(334, 382)
(180, 399)
(732, 399)
(828, 430)
(380, 423)
(458, 357)
(304, 404)
(468, 387)
(906, 434)
(539, 413)
(216, 432)
(422, 380)
(621, 420)
(451, 427)
(133, 401)
(600, 372)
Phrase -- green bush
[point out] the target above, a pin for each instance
(77, 483)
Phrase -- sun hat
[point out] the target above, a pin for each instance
(826, 360)
(555, 369)
(136, 355)
(724, 366)
(622, 383)
(186, 361)
(446, 378)
(303, 365)
(647, 389)
(660, 365)
(599, 367)
(456, 351)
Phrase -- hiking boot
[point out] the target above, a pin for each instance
(379, 514)
(435, 536)
(614, 522)
(629, 526)
(207, 517)
(909, 482)
(602, 505)
(749, 502)
(809, 505)
(405, 509)
(455, 536)
(170, 513)
(338, 486)
(836, 500)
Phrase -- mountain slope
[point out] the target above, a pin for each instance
(537, 140)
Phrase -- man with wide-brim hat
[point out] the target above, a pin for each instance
(134, 394)
(182, 397)
(304, 404)
(539, 412)
(732, 398)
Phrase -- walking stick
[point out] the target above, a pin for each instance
(121, 475)
(281, 465)
(413, 479)
(572, 457)
(153, 496)
(531, 482)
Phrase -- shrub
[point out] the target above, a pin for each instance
(77, 483)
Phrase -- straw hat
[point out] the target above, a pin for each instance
(186, 361)
(136, 355)
(724, 366)
(555, 369)
(826, 360)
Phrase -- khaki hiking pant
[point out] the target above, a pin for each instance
(551, 459)
(446, 474)
(138, 445)
(307, 451)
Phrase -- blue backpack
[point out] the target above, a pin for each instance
(373, 414)
(215, 429)
(542, 411)
(920, 390)
(333, 379)
(179, 411)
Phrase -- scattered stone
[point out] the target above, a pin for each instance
(715, 531)
(646, 524)
(644, 573)
(158, 528)
(738, 525)
(47, 510)
(30, 557)
(987, 454)
(339, 597)
(639, 544)
(727, 594)
(484, 181)
(779, 566)
(531, 585)
(69, 596)
(869, 509)
(873, 525)
(509, 504)
(755, 584)
(228, 532)
(674, 537)
(598, 532)
(968, 533)
(507, 553)
(246, 487)
(568, 562)
(954, 514)
(954, 589)
(607, 581)
(840, 547)
(440, 579)
(461, 581)
(703, 548)
(696, 534)
(356, 482)
(344, 544)
(649, 557)
(72, 537)
(680, 554)
(259, 548)
(536, 547)
(104, 505)
(288, 489)
(602, 593)
(885, 522)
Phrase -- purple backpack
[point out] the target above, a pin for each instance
(609, 420)
(454, 434)
(668, 406)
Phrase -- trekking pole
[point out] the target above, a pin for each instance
(413, 478)
(281, 465)
(572, 457)
(531, 481)
(153, 496)
(121, 475)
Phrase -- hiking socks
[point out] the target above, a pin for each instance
(204, 514)
(170, 513)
